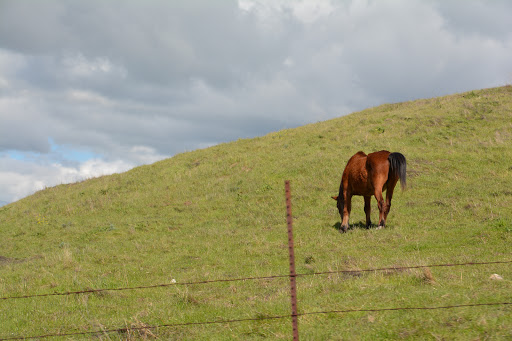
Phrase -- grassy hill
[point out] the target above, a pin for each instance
(219, 213)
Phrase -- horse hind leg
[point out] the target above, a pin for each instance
(385, 205)
(381, 204)
(389, 195)
(367, 210)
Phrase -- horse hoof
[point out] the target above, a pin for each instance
(379, 227)
(343, 229)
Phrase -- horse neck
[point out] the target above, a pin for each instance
(340, 195)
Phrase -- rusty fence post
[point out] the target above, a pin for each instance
(293, 285)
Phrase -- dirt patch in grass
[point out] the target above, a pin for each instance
(6, 260)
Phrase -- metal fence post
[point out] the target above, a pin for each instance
(293, 285)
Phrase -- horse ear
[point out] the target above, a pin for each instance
(335, 198)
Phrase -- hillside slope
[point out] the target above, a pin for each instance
(219, 213)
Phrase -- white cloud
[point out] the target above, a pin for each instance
(16, 186)
(310, 11)
(88, 96)
(79, 66)
(93, 168)
(20, 178)
(306, 11)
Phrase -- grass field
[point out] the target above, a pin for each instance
(219, 213)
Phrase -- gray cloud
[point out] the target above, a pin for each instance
(144, 80)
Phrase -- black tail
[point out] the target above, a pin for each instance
(398, 167)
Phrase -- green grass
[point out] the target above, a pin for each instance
(220, 213)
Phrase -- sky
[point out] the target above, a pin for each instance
(94, 87)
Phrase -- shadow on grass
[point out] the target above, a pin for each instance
(359, 225)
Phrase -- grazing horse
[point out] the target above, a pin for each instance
(369, 175)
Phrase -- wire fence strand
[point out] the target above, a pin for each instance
(395, 268)
(171, 325)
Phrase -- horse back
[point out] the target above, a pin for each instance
(355, 165)
(377, 165)
(364, 172)
(378, 162)
(355, 175)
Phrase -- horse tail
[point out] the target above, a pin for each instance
(398, 167)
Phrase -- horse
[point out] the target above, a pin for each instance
(369, 175)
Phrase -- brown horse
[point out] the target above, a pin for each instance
(369, 175)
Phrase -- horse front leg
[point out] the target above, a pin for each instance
(367, 210)
(346, 211)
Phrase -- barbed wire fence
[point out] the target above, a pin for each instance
(294, 314)
(239, 279)
(170, 325)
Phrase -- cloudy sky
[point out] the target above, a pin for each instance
(93, 87)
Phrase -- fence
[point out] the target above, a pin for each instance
(294, 314)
